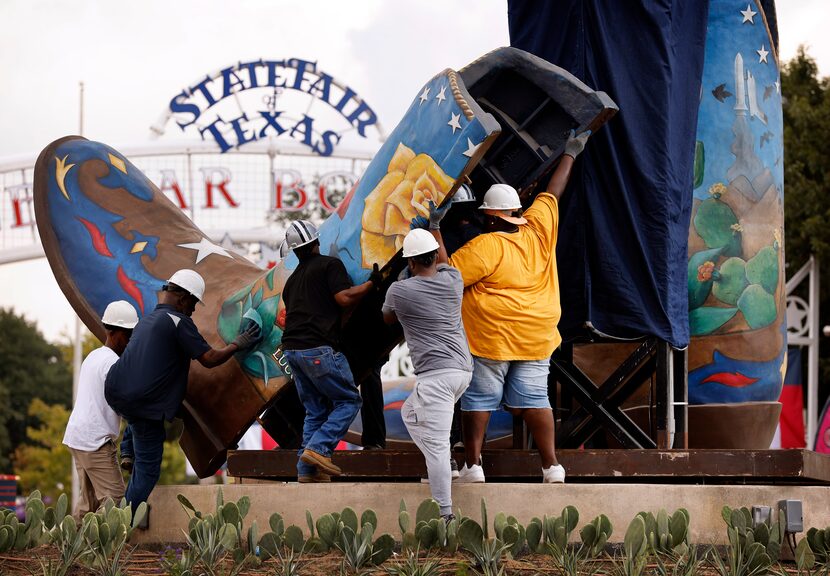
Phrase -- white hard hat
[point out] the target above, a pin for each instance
(283, 249)
(501, 197)
(463, 194)
(418, 242)
(120, 314)
(190, 281)
(502, 200)
(300, 233)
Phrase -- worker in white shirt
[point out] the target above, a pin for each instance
(93, 426)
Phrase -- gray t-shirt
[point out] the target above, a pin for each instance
(429, 309)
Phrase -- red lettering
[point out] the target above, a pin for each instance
(221, 186)
(21, 198)
(334, 185)
(169, 183)
(289, 181)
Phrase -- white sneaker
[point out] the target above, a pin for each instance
(453, 469)
(553, 475)
(473, 474)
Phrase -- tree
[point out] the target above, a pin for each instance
(806, 107)
(67, 348)
(44, 463)
(30, 367)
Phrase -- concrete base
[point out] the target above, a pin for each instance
(620, 502)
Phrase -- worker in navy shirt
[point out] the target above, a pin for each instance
(148, 382)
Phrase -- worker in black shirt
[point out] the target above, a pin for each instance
(315, 295)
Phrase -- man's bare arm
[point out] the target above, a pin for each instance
(351, 296)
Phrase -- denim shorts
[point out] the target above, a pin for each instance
(514, 384)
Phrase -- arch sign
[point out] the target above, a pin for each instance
(260, 99)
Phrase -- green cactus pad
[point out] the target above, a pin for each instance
(499, 522)
(763, 269)
(268, 545)
(699, 289)
(316, 546)
(230, 513)
(533, 533)
(510, 536)
(276, 523)
(426, 535)
(349, 518)
(731, 281)
(700, 163)
(470, 536)
(369, 516)
(382, 549)
(707, 319)
(714, 221)
(404, 521)
(327, 529)
(757, 306)
(634, 541)
(427, 510)
(294, 538)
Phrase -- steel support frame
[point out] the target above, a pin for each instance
(600, 404)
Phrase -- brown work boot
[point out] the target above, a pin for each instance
(324, 463)
(316, 478)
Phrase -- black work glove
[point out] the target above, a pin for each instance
(375, 277)
(249, 337)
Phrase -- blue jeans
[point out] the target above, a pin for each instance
(148, 445)
(326, 387)
(127, 443)
(514, 383)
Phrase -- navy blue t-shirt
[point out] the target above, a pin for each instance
(149, 380)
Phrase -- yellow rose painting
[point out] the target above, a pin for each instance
(411, 181)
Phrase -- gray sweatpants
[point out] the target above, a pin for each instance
(427, 414)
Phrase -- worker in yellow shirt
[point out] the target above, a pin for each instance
(510, 312)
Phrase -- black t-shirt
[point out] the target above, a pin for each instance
(149, 380)
(312, 315)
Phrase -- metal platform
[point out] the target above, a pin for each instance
(801, 467)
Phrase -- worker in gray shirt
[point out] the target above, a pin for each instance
(428, 306)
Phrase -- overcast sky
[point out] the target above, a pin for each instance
(134, 56)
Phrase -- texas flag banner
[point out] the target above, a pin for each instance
(791, 422)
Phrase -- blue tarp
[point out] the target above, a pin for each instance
(624, 223)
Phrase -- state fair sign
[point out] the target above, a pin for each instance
(262, 99)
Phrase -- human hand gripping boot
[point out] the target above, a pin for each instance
(248, 337)
(576, 143)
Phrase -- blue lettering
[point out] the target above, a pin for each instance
(306, 125)
(230, 81)
(322, 92)
(360, 124)
(217, 135)
(241, 137)
(328, 145)
(273, 76)
(271, 122)
(251, 68)
(347, 95)
(179, 105)
(202, 87)
(301, 66)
